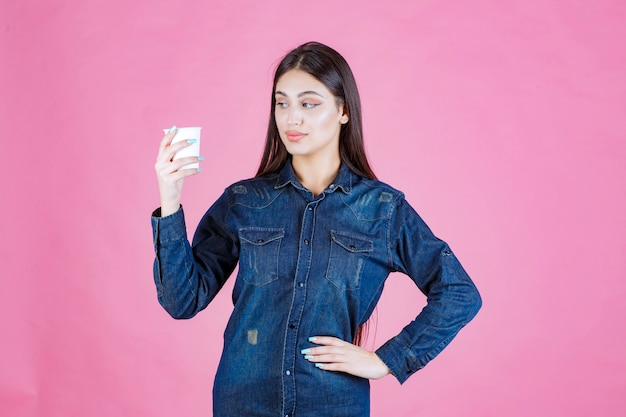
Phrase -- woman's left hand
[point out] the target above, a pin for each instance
(337, 355)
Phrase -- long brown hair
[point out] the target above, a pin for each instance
(330, 68)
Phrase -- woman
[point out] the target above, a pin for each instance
(315, 235)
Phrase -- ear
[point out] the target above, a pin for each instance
(344, 117)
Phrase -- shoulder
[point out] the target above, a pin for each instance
(254, 192)
(377, 189)
(372, 199)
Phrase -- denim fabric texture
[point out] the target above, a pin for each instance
(308, 266)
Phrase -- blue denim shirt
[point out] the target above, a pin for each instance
(308, 266)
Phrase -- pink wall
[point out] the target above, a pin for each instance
(503, 121)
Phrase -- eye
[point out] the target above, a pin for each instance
(281, 104)
(307, 105)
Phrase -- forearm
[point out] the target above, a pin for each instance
(183, 287)
(169, 207)
(448, 310)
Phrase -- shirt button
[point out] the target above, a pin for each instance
(300, 284)
(306, 241)
(310, 208)
(288, 373)
(292, 326)
(332, 186)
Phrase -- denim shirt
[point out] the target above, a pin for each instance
(308, 266)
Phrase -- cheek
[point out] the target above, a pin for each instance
(277, 119)
(281, 124)
(329, 120)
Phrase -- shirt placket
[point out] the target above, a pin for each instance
(297, 306)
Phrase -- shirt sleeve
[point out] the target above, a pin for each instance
(452, 297)
(187, 277)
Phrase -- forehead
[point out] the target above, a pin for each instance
(294, 82)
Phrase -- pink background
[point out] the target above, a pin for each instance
(503, 122)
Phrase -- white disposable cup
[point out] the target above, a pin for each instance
(185, 133)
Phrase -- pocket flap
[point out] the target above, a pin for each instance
(352, 243)
(261, 235)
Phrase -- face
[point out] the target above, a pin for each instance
(308, 116)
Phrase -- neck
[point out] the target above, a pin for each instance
(316, 174)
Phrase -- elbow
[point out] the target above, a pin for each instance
(176, 311)
(474, 303)
(179, 315)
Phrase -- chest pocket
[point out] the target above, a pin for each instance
(348, 254)
(258, 259)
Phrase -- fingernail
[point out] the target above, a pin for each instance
(199, 169)
(305, 351)
(319, 365)
(192, 140)
(201, 158)
(307, 357)
(312, 339)
(172, 129)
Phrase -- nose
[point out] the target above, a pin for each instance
(294, 117)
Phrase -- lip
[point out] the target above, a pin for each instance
(294, 136)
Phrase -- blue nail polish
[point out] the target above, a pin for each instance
(190, 141)
(319, 365)
(305, 351)
(307, 357)
(201, 158)
(312, 339)
(172, 129)
(199, 169)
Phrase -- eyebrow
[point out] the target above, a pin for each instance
(304, 93)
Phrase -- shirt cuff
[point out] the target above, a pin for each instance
(399, 359)
(169, 228)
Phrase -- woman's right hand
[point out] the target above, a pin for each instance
(169, 174)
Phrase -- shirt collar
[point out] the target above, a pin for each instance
(342, 181)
